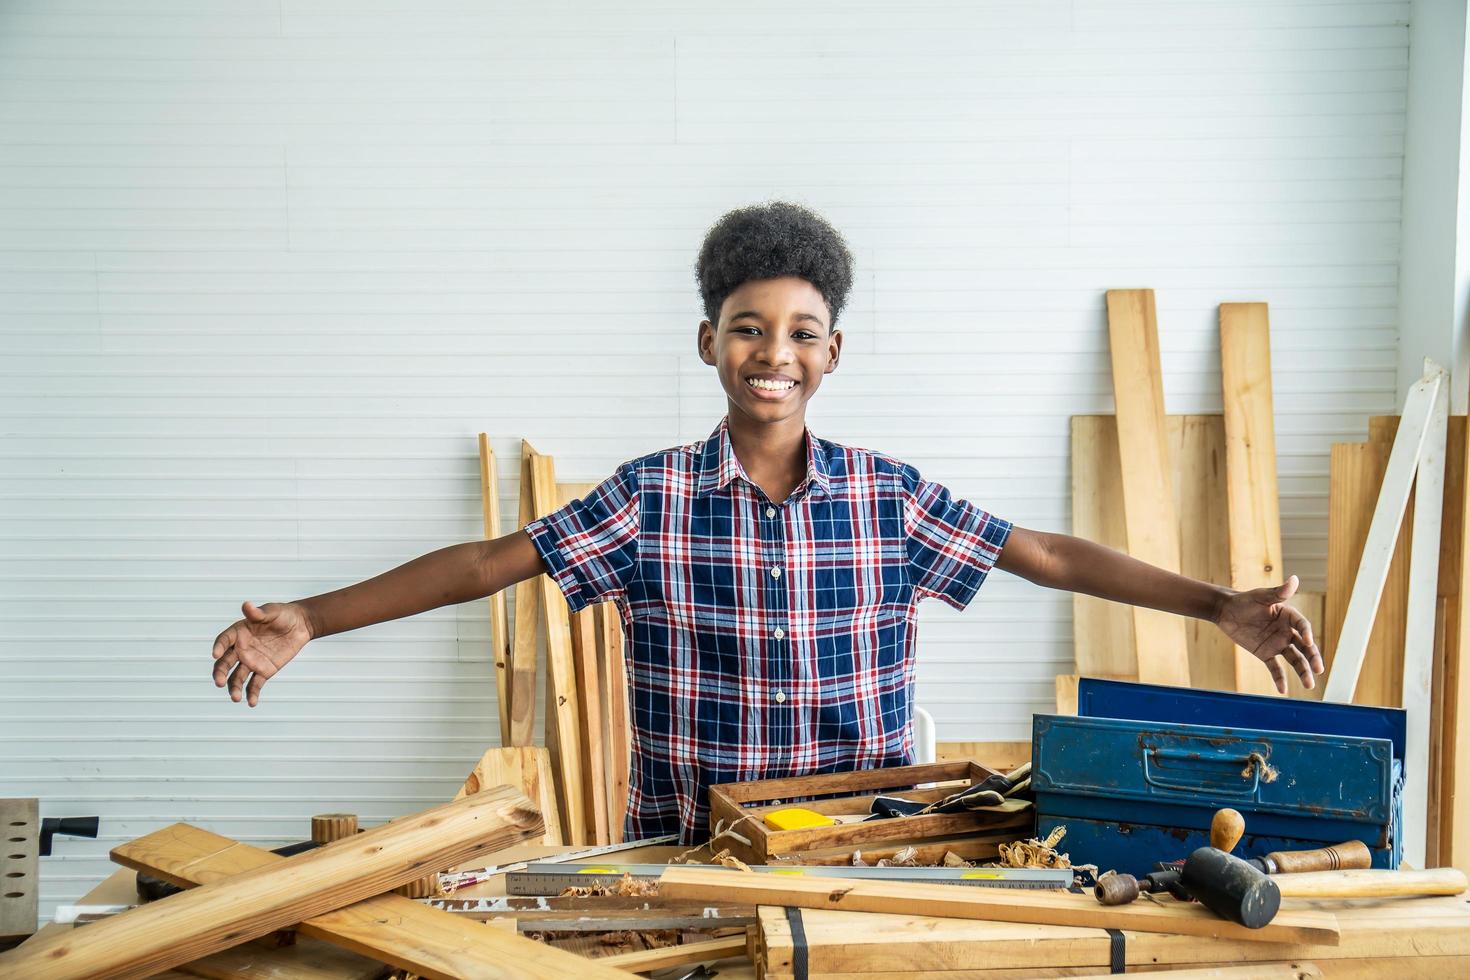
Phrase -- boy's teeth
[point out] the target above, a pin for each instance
(770, 385)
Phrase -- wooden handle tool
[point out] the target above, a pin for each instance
(1339, 857)
(1368, 883)
(1226, 829)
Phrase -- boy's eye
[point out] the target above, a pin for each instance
(805, 335)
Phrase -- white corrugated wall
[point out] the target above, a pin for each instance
(267, 267)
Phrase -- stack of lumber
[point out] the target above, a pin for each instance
(1198, 496)
(1408, 939)
(1357, 473)
(586, 720)
(340, 893)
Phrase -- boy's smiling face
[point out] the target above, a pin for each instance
(773, 344)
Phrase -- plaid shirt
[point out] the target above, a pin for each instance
(765, 639)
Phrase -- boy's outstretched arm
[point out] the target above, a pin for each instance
(1259, 620)
(252, 650)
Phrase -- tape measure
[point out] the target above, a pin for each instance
(553, 879)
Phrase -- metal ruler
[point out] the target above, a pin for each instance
(462, 878)
(541, 878)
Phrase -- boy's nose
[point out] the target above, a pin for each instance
(776, 350)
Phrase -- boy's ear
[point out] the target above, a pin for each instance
(834, 350)
(706, 342)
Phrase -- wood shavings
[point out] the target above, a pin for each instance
(721, 830)
(1035, 853)
(953, 860)
(728, 860)
(903, 858)
(627, 886)
(631, 941)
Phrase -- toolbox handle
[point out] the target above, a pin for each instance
(1231, 772)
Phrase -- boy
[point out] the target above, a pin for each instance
(767, 579)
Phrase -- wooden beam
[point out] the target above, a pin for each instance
(644, 960)
(1000, 756)
(1383, 532)
(1148, 494)
(400, 931)
(561, 678)
(590, 695)
(1455, 789)
(998, 904)
(1419, 627)
(1356, 476)
(20, 883)
(193, 924)
(1430, 931)
(613, 670)
(527, 768)
(500, 649)
(1250, 465)
(1102, 631)
(527, 609)
(1253, 971)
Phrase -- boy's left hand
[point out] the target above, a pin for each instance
(1260, 621)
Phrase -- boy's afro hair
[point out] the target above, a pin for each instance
(768, 241)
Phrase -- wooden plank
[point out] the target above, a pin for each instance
(589, 710)
(527, 609)
(1000, 756)
(526, 768)
(618, 739)
(1253, 971)
(195, 923)
(1197, 458)
(1250, 466)
(999, 904)
(408, 934)
(20, 881)
(306, 959)
(561, 678)
(1102, 631)
(1399, 968)
(644, 960)
(590, 697)
(1149, 513)
(1383, 533)
(1455, 788)
(1356, 473)
(499, 638)
(1067, 694)
(1419, 627)
(1434, 930)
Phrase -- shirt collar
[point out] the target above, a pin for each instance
(718, 464)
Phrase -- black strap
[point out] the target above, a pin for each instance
(1117, 954)
(798, 944)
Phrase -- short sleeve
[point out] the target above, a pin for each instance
(952, 544)
(590, 546)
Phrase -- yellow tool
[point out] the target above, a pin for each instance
(796, 818)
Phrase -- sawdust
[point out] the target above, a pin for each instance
(627, 887)
(1041, 854)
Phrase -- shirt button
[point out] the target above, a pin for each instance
(779, 633)
(776, 571)
(780, 697)
(770, 512)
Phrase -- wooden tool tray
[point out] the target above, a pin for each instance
(850, 794)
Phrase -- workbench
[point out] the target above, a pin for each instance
(1405, 939)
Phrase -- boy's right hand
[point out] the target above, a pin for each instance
(250, 652)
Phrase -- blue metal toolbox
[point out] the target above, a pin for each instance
(1139, 772)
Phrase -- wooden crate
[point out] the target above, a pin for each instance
(851, 794)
